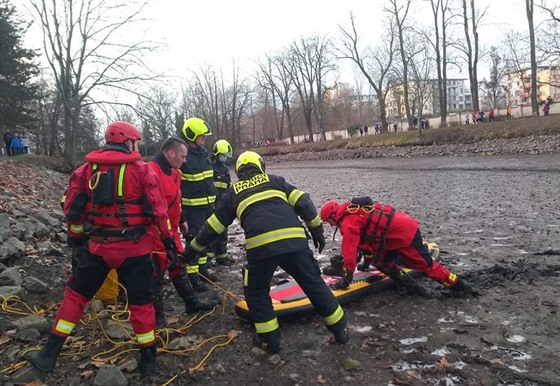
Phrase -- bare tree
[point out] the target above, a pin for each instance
(495, 89)
(470, 47)
(374, 64)
(399, 14)
(530, 9)
(311, 60)
(85, 51)
(156, 110)
(443, 17)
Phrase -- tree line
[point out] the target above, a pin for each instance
(92, 68)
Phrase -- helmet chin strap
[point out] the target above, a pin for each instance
(334, 233)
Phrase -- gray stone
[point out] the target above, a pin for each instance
(26, 375)
(34, 285)
(18, 214)
(5, 233)
(110, 375)
(8, 291)
(44, 216)
(32, 321)
(4, 220)
(41, 231)
(129, 366)
(2, 267)
(58, 214)
(28, 335)
(10, 277)
(118, 330)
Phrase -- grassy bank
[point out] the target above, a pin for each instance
(516, 128)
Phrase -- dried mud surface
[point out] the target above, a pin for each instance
(497, 221)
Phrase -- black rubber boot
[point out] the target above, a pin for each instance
(336, 268)
(186, 291)
(45, 359)
(270, 342)
(340, 331)
(462, 286)
(147, 363)
(224, 259)
(409, 284)
(203, 269)
(161, 319)
(197, 283)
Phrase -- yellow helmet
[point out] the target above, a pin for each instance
(249, 158)
(193, 127)
(222, 147)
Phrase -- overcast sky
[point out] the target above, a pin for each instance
(216, 32)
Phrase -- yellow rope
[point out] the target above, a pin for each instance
(13, 304)
(9, 303)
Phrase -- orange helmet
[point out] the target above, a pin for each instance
(119, 132)
(329, 210)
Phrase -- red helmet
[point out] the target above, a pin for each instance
(329, 210)
(119, 132)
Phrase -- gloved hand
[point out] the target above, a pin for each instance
(184, 228)
(345, 281)
(317, 234)
(169, 244)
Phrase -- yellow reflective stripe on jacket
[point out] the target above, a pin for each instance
(121, 180)
(264, 327)
(65, 327)
(335, 317)
(294, 196)
(259, 197)
(198, 176)
(453, 278)
(215, 224)
(221, 184)
(315, 222)
(198, 201)
(146, 337)
(275, 235)
(202, 260)
(77, 228)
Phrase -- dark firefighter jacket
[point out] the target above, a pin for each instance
(197, 185)
(222, 178)
(268, 208)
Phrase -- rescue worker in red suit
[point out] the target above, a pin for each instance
(269, 211)
(116, 199)
(390, 236)
(166, 165)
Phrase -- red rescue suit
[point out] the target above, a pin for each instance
(170, 179)
(120, 197)
(386, 233)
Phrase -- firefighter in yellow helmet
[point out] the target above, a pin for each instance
(221, 155)
(269, 210)
(198, 194)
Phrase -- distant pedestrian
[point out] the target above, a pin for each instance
(546, 108)
(17, 146)
(25, 144)
(491, 115)
(365, 129)
(508, 113)
(8, 143)
(395, 127)
(467, 119)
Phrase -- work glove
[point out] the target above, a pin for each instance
(345, 281)
(171, 250)
(318, 238)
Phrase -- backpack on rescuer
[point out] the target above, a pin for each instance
(379, 218)
(113, 214)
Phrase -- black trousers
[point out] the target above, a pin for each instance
(303, 267)
(135, 274)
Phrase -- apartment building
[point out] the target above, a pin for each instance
(518, 85)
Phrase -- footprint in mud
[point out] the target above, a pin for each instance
(520, 271)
